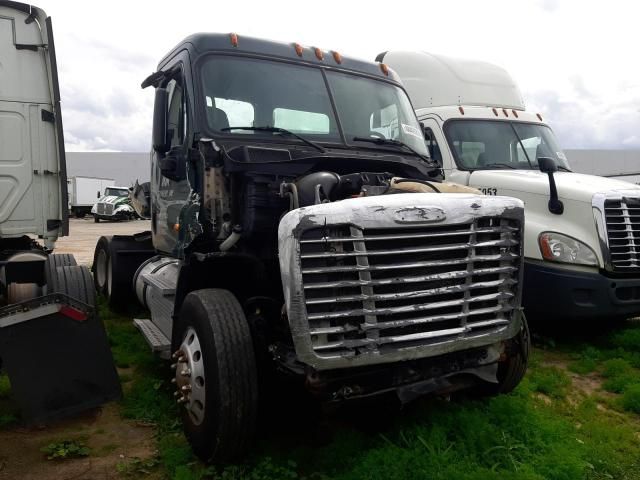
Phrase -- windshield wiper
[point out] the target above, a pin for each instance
(500, 165)
(397, 143)
(278, 130)
(564, 169)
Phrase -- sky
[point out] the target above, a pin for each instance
(576, 61)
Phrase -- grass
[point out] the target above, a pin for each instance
(546, 429)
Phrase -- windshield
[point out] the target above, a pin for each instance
(116, 192)
(488, 144)
(243, 92)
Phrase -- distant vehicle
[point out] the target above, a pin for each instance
(83, 192)
(113, 205)
(52, 344)
(582, 232)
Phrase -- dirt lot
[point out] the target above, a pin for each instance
(84, 233)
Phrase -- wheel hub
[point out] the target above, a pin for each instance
(189, 376)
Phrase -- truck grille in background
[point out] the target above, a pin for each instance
(105, 209)
(623, 231)
(385, 289)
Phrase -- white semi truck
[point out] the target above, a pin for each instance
(52, 344)
(582, 232)
(84, 191)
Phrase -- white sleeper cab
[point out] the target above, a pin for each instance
(582, 232)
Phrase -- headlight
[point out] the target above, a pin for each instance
(561, 248)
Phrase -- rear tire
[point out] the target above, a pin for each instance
(75, 281)
(223, 429)
(55, 260)
(100, 265)
(96, 219)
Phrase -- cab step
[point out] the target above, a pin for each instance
(158, 342)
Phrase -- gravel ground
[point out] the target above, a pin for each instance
(84, 234)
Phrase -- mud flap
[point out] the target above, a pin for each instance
(56, 353)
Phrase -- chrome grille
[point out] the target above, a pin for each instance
(100, 209)
(622, 217)
(385, 289)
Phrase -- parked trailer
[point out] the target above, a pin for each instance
(84, 191)
(52, 343)
(291, 236)
(582, 232)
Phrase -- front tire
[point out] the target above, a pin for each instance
(96, 219)
(216, 375)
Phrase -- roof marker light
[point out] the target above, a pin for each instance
(319, 54)
(337, 57)
(298, 49)
(384, 68)
(234, 39)
(539, 116)
(504, 110)
(495, 112)
(515, 114)
(461, 110)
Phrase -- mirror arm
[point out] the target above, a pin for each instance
(555, 204)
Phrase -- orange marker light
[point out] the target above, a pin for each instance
(384, 69)
(234, 39)
(337, 57)
(319, 54)
(176, 227)
(539, 116)
(461, 110)
(298, 49)
(515, 114)
(495, 112)
(506, 114)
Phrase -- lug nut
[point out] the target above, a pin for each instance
(182, 400)
(176, 354)
(173, 380)
(186, 388)
(182, 359)
(176, 394)
(173, 366)
(186, 372)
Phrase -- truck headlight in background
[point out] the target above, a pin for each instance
(561, 248)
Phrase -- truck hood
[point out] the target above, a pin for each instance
(114, 200)
(571, 186)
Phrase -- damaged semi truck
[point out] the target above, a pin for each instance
(52, 344)
(298, 226)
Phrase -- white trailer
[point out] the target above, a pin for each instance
(582, 232)
(83, 192)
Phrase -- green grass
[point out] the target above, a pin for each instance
(562, 434)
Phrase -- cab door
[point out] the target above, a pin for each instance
(170, 193)
(440, 151)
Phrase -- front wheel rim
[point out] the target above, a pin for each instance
(189, 378)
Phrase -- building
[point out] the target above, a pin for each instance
(123, 167)
(621, 164)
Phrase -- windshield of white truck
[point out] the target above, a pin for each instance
(245, 93)
(116, 192)
(490, 144)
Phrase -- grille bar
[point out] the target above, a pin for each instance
(407, 308)
(459, 246)
(435, 263)
(410, 236)
(413, 294)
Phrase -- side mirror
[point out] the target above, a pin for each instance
(547, 165)
(160, 142)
